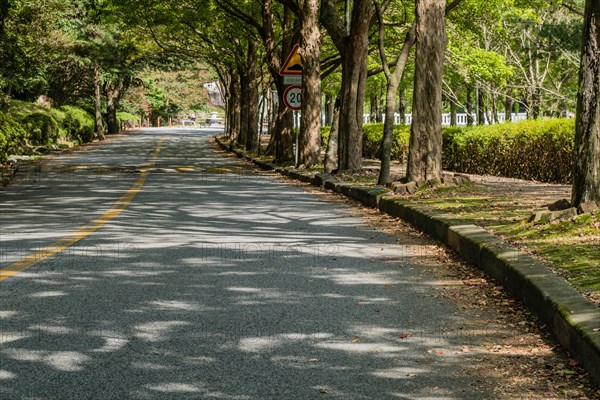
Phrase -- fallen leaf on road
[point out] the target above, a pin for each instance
(323, 391)
(355, 339)
(405, 335)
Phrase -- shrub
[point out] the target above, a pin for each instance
(12, 137)
(21, 109)
(125, 116)
(42, 128)
(539, 150)
(42, 124)
(78, 123)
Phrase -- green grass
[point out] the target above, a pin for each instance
(570, 247)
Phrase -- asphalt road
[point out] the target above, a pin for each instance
(172, 272)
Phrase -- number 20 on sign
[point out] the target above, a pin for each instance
(292, 97)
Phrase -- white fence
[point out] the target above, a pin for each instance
(461, 119)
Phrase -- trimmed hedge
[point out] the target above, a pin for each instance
(12, 137)
(540, 150)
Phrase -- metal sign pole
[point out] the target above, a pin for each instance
(297, 131)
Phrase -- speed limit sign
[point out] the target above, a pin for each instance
(292, 97)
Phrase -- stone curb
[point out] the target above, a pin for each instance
(574, 320)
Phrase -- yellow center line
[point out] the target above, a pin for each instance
(73, 237)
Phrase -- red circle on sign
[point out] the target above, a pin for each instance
(292, 97)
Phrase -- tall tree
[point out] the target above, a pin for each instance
(586, 175)
(352, 42)
(393, 81)
(425, 147)
(281, 135)
(310, 135)
(354, 81)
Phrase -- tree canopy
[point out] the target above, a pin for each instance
(502, 57)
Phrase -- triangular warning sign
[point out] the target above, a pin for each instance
(293, 64)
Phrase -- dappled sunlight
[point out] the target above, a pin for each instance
(48, 294)
(184, 388)
(158, 330)
(399, 373)
(52, 329)
(6, 314)
(111, 344)
(174, 305)
(4, 375)
(222, 285)
(271, 343)
(176, 388)
(343, 276)
(66, 361)
(371, 348)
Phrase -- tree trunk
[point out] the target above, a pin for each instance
(536, 102)
(329, 109)
(508, 105)
(586, 173)
(251, 139)
(310, 123)
(354, 78)
(480, 106)
(114, 91)
(533, 102)
(494, 108)
(381, 104)
(469, 105)
(402, 107)
(452, 112)
(393, 81)
(280, 145)
(244, 102)
(331, 155)
(98, 125)
(388, 134)
(425, 148)
(284, 150)
(112, 123)
(235, 106)
(374, 102)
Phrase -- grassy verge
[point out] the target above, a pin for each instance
(569, 247)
